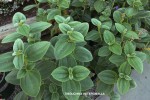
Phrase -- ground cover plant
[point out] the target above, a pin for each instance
(93, 44)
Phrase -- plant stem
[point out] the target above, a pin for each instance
(99, 31)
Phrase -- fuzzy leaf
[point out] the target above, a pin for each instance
(61, 74)
(136, 63)
(108, 76)
(31, 83)
(36, 51)
(80, 73)
(123, 85)
(71, 86)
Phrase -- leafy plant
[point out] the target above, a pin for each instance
(92, 43)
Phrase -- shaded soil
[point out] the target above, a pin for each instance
(8, 18)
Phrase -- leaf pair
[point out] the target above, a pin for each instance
(132, 59)
(76, 73)
(125, 32)
(114, 47)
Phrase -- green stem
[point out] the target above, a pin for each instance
(99, 31)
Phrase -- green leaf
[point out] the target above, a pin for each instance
(38, 27)
(131, 12)
(52, 88)
(133, 84)
(80, 73)
(61, 74)
(52, 13)
(115, 96)
(24, 30)
(21, 73)
(108, 76)
(41, 93)
(117, 59)
(82, 28)
(141, 55)
(31, 83)
(104, 51)
(29, 7)
(36, 51)
(21, 96)
(142, 14)
(55, 96)
(117, 16)
(18, 19)
(104, 88)
(6, 63)
(86, 84)
(120, 28)
(76, 36)
(11, 77)
(92, 35)
(63, 48)
(116, 48)
(136, 63)
(68, 61)
(18, 45)
(46, 69)
(109, 37)
(64, 3)
(64, 28)
(123, 85)
(11, 37)
(42, 1)
(71, 86)
(19, 61)
(125, 68)
(82, 54)
(59, 19)
(99, 5)
(96, 22)
(129, 48)
(132, 35)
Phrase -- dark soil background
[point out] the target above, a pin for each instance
(5, 19)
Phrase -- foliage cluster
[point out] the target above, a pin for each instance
(92, 43)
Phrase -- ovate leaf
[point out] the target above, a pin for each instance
(99, 5)
(6, 63)
(11, 77)
(63, 48)
(38, 27)
(104, 51)
(123, 85)
(80, 73)
(125, 68)
(21, 96)
(82, 28)
(61, 74)
(82, 54)
(18, 18)
(136, 63)
(76, 36)
(31, 83)
(36, 51)
(11, 37)
(52, 13)
(24, 30)
(109, 38)
(86, 84)
(108, 76)
(29, 7)
(116, 48)
(117, 59)
(71, 86)
(129, 48)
